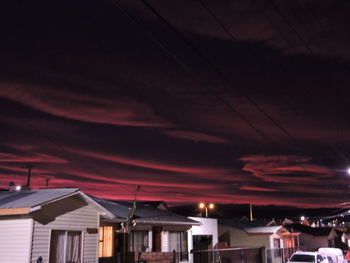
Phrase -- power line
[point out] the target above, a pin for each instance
(312, 53)
(189, 70)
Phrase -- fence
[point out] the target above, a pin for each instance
(225, 255)
(230, 255)
(279, 255)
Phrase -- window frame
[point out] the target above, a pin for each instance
(182, 236)
(65, 242)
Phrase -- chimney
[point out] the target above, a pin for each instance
(11, 186)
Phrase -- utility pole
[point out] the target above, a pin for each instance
(129, 222)
(29, 167)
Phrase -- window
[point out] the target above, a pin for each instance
(106, 242)
(276, 243)
(302, 258)
(138, 241)
(178, 242)
(65, 246)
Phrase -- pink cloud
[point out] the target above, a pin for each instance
(283, 169)
(149, 164)
(116, 111)
(196, 136)
(34, 158)
(258, 189)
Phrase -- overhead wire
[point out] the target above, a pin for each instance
(189, 70)
(309, 49)
(222, 74)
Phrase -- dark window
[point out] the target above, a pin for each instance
(302, 258)
(138, 241)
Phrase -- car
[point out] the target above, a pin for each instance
(307, 257)
(335, 253)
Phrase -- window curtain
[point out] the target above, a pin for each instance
(139, 241)
(65, 246)
(178, 242)
(73, 247)
(57, 246)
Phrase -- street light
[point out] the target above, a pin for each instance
(206, 207)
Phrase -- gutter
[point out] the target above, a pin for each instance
(140, 221)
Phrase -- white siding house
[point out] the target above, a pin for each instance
(15, 240)
(57, 225)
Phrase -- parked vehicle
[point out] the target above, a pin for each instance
(335, 253)
(308, 257)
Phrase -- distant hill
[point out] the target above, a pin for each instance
(259, 212)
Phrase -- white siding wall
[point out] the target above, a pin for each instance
(240, 238)
(79, 219)
(15, 240)
(165, 241)
(209, 226)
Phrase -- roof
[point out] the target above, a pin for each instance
(250, 227)
(314, 231)
(32, 198)
(28, 201)
(144, 213)
(263, 230)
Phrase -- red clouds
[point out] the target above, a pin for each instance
(115, 111)
(196, 136)
(285, 169)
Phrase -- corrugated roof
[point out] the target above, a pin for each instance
(32, 198)
(144, 212)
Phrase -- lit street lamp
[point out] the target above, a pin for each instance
(206, 207)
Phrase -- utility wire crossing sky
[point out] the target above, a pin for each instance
(196, 101)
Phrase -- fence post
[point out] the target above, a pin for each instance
(242, 261)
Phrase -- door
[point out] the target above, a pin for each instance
(202, 244)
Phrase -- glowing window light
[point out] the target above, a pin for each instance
(105, 242)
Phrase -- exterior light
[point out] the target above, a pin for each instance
(302, 218)
(206, 207)
(18, 187)
(348, 171)
(201, 205)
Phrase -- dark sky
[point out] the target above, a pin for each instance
(194, 100)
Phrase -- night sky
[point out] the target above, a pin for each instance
(193, 100)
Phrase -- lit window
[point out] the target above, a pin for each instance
(105, 242)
